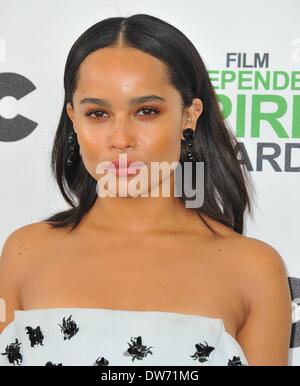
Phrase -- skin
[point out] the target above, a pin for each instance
(147, 253)
(147, 136)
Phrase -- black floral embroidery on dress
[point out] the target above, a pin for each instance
(235, 361)
(69, 328)
(13, 352)
(49, 363)
(137, 350)
(101, 361)
(35, 335)
(203, 352)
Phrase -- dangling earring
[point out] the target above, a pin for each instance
(189, 135)
(73, 146)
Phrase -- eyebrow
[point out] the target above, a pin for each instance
(132, 101)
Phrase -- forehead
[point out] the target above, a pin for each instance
(122, 69)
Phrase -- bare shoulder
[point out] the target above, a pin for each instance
(23, 240)
(254, 262)
(260, 275)
(249, 254)
(255, 258)
(251, 261)
(264, 273)
(18, 251)
(16, 259)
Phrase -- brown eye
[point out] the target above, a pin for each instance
(95, 112)
(149, 110)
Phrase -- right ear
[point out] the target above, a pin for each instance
(70, 112)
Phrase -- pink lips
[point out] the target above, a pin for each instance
(122, 167)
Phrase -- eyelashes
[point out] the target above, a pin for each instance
(152, 110)
(149, 109)
(89, 114)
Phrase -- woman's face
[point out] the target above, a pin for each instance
(149, 129)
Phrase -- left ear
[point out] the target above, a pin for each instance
(192, 114)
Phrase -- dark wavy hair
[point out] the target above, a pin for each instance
(227, 182)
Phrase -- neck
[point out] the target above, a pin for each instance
(142, 214)
(139, 214)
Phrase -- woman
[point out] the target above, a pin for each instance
(136, 278)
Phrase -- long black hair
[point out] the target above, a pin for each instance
(227, 182)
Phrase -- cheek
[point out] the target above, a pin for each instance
(90, 141)
(164, 145)
(91, 149)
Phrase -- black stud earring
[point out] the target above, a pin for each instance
(189, 135)
(73, 146)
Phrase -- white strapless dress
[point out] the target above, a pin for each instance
(102, 337)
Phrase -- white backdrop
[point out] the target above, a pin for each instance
(35, 37)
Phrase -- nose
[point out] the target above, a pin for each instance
(121, 138)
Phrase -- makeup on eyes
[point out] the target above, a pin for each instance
(137, 100)
(152, 110)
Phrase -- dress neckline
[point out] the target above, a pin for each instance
(126, 311)
(25, 315)
(105, 309)
(169, 314)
